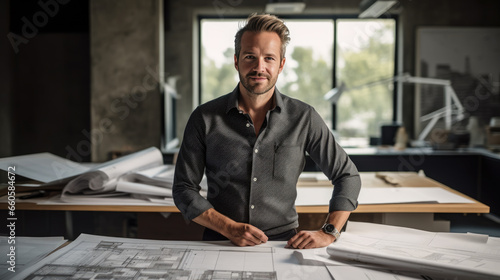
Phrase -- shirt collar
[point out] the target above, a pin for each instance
(233, 100)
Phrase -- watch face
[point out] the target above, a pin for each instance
(329, 228)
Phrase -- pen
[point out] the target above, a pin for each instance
(33, 195)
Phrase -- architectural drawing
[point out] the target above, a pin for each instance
(461, 256)
(92, 257)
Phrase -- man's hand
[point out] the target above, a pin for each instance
(310, 239)
(316, 239)
(242, 234)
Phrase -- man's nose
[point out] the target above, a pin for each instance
(259, 65)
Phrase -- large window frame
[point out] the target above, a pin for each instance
(335, 19)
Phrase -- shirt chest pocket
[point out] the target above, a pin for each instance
(288, 162)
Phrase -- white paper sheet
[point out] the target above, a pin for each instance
(409, 195)
(309, 196)
(122, 257)
(43, 167)
(464, 256)
(105, 176)
(29, 250)
(138, 188)
(361, 273)
(123, 200)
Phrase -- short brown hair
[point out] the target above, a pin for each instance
(260, 23)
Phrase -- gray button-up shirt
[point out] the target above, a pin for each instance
(252, 178)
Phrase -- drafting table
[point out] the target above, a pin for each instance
(368, 181)
(366, 251)
(416, 215)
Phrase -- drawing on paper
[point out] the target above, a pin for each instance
(146, 261)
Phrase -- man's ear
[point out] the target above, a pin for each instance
(282, 65)
(235, 62)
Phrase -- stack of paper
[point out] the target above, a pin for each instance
(139, 178)
(450, 255)
(42, 171)
(116, 179)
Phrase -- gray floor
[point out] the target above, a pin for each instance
(484, 224)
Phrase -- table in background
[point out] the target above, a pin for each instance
(415, 215)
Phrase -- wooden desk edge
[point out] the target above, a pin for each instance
(364, 208)
(106, 208)
(476, 207)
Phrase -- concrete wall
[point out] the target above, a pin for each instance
(5, 83)
(126, 67)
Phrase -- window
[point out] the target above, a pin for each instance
(365, 56)
(364, 52)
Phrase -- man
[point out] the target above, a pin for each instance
(251, 143)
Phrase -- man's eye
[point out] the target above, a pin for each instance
(249, 57)
(270, 58)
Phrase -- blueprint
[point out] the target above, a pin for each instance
(97, 257)
(455, 255)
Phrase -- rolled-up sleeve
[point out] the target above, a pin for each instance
(189, 170)
(335, 163)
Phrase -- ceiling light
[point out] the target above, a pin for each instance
(375, 8)
(285, 8)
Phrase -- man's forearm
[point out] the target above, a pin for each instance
(215, 221)
(241, 234)
(319, 238)
(338, 218)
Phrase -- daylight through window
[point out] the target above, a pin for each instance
(364, 53)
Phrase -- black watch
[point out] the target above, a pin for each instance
(330, 229)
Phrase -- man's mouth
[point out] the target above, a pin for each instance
(258, 78)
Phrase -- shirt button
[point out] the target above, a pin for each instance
(255, 179)
(248, 125)
(256, 150)
(252, 206)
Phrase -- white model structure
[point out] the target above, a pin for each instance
(453, 111)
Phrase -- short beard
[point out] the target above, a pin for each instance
(249, 88)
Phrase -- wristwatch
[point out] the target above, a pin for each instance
(330, 229)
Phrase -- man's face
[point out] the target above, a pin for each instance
(259, 63)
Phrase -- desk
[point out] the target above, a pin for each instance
(415, 215)
(388, 250)
(406, 179)
(471, 171)
(368, 181)
(125, 258)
